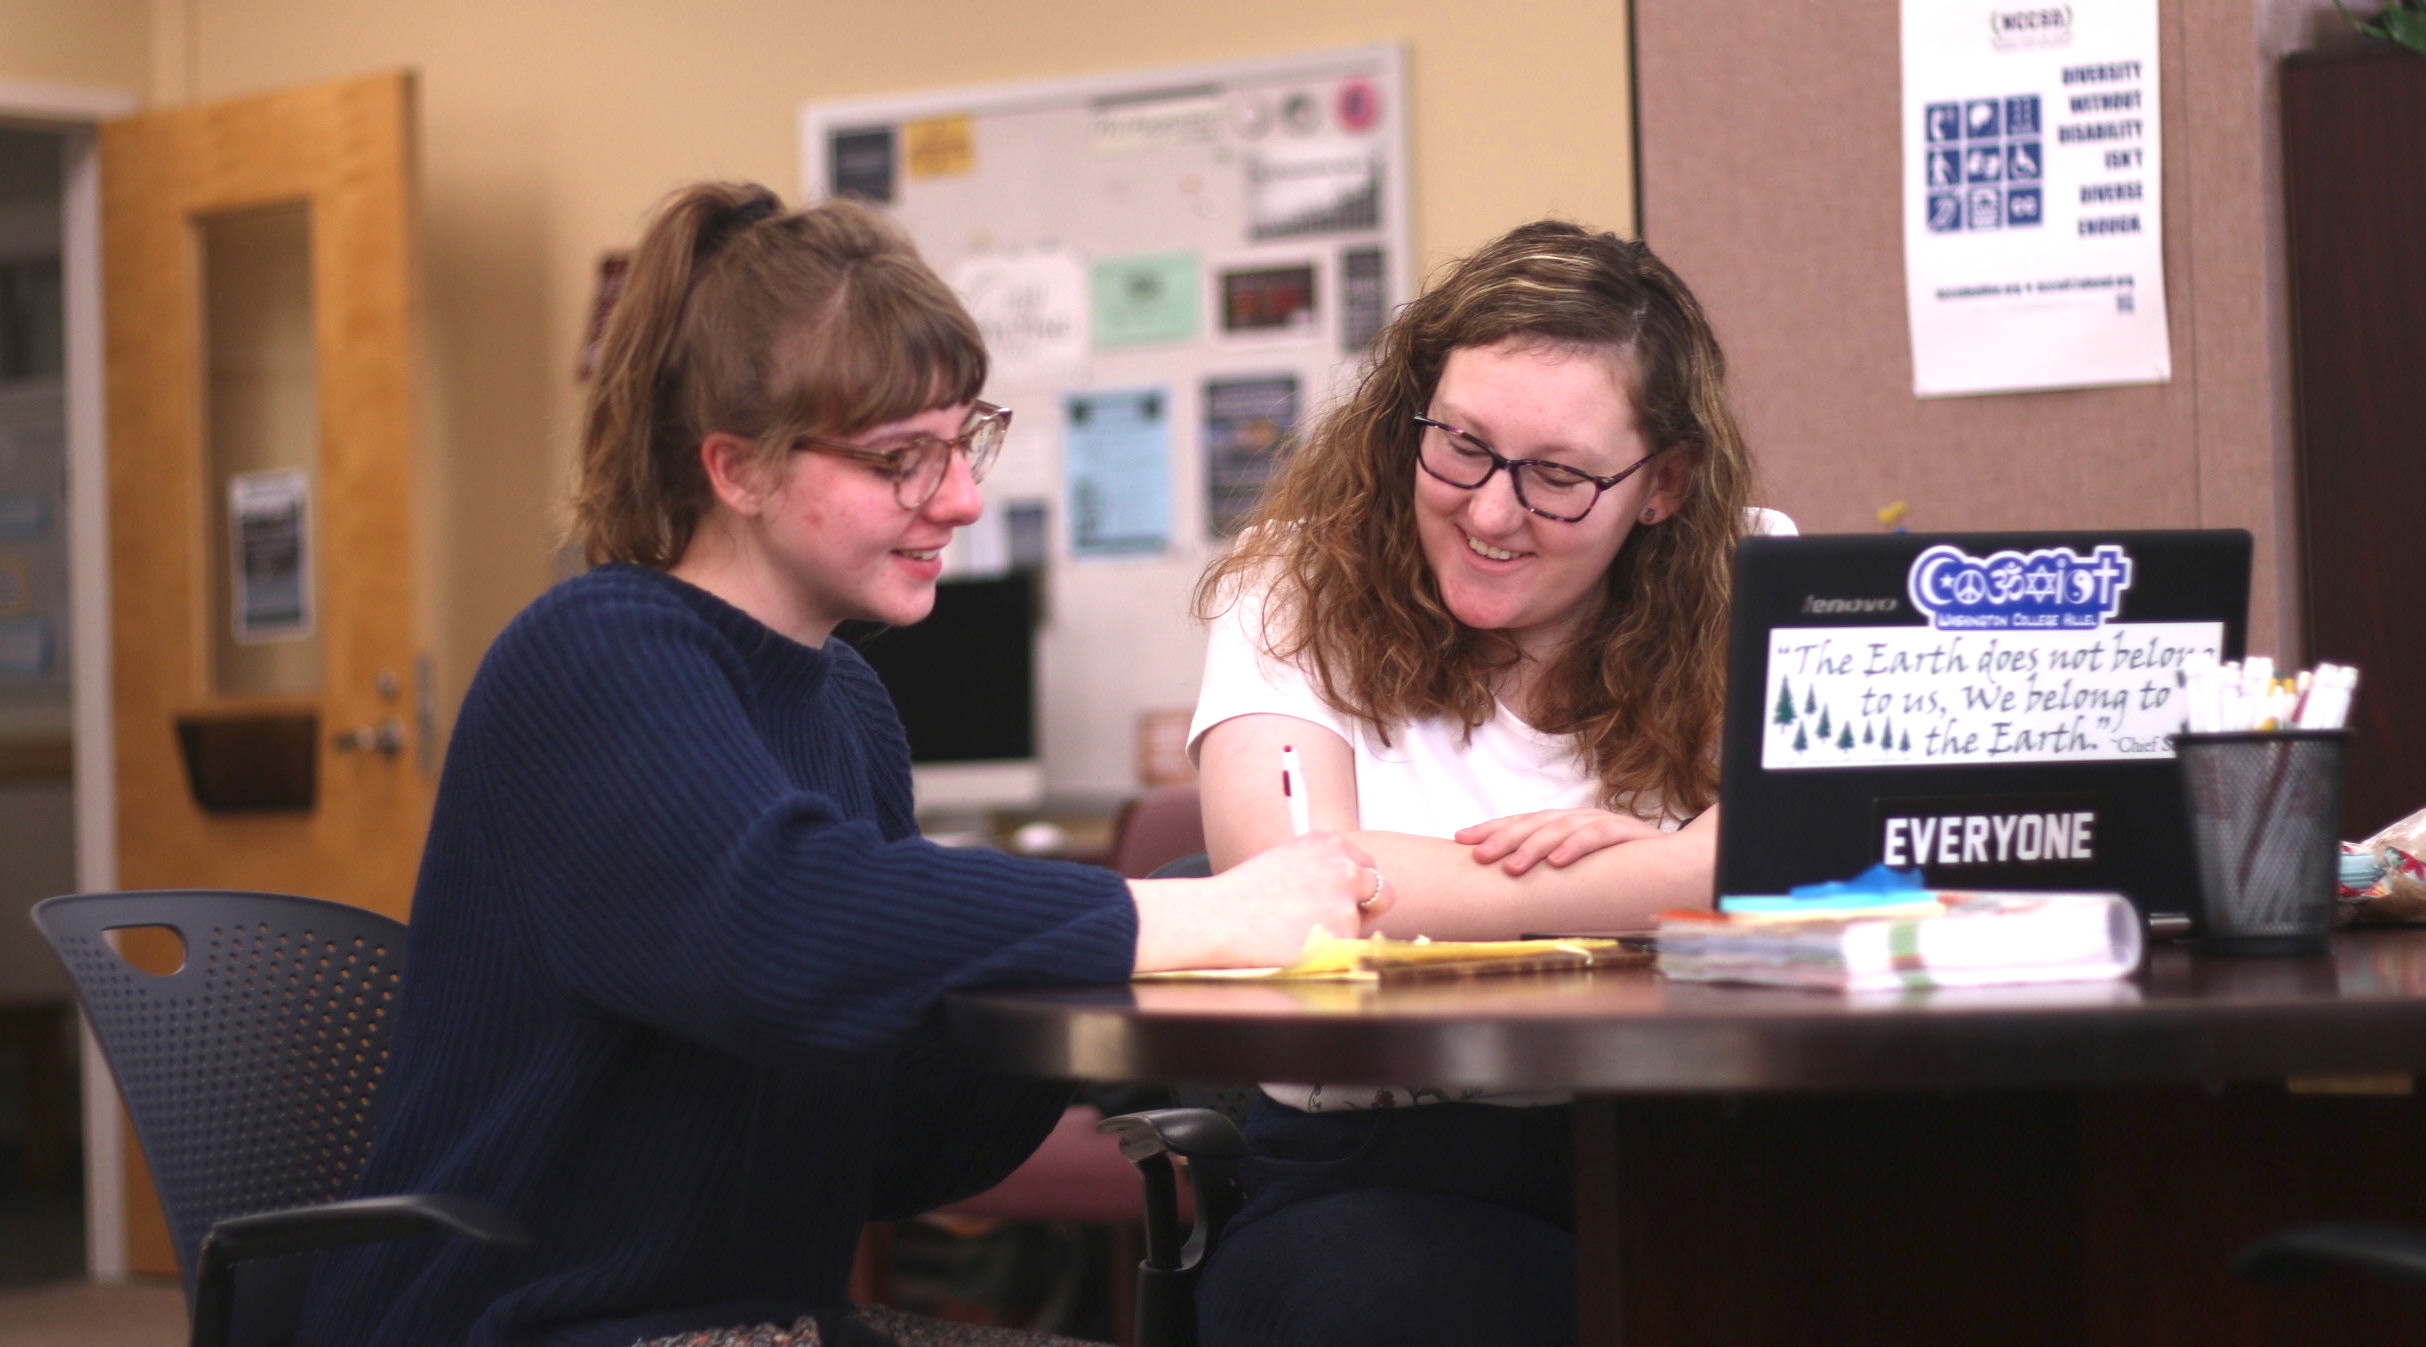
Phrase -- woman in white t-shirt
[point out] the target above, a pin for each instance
(1485, 603)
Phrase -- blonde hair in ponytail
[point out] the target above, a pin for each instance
(740, 317)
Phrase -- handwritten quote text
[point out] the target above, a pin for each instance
(1915, 696)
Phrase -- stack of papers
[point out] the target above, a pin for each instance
(1929, 938)
(1330, 958)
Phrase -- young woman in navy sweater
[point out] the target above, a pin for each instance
(677, 945)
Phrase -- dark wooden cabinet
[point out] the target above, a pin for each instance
(2354, 182)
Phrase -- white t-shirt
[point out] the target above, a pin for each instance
(1430, 780)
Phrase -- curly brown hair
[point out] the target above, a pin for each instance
(1642, 685)
(740, 316)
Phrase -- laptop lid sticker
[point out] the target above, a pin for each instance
(2023, 661)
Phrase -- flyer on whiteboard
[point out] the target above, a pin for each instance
(2033, 213)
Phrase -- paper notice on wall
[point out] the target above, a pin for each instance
(939, 147)
(1031, 307)
(1154, 122)
(270, 548)
(1148, 299)
(1117, 448)
(1247, 425)
(1325, 186)
(2033, 213)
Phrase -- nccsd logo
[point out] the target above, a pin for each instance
(2030, 26)
(2053, 588)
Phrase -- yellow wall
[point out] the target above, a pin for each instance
(550, 125)
(90, 42)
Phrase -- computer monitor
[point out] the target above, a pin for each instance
(1990, 708)
(965, 682)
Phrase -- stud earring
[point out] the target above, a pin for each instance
(1650, 514)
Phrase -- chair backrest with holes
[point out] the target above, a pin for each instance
(250, 1072)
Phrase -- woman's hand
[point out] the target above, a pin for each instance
(1561, 837)
(1257, 913)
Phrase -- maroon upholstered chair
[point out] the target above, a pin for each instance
(1160, 826)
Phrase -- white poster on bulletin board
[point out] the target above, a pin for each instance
(2033, 207)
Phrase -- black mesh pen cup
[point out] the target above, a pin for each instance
(2263, 807)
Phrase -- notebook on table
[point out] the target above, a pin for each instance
(1989, 708)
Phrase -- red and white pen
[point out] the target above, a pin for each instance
(1293, 789)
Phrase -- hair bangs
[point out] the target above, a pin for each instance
(890, 344)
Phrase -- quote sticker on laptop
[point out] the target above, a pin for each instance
(2022, 660)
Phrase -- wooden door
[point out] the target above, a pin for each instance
(267, 676)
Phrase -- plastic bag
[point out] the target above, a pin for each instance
(2383, 879)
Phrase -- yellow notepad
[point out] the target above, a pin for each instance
(1330, 958)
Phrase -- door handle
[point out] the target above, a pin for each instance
(385, 737)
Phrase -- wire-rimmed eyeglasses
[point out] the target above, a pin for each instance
(1551, 490)
(917, 466)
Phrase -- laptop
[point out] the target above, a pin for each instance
(1989, 708)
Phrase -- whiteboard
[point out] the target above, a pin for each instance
(1173, 269)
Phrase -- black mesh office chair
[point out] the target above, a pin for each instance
(251, 1073)
(1209, 1143)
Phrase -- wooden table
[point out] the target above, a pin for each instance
(2053, 1165)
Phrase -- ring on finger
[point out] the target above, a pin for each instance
(1365, 904)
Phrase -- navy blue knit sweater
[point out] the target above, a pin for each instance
(672, 986)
